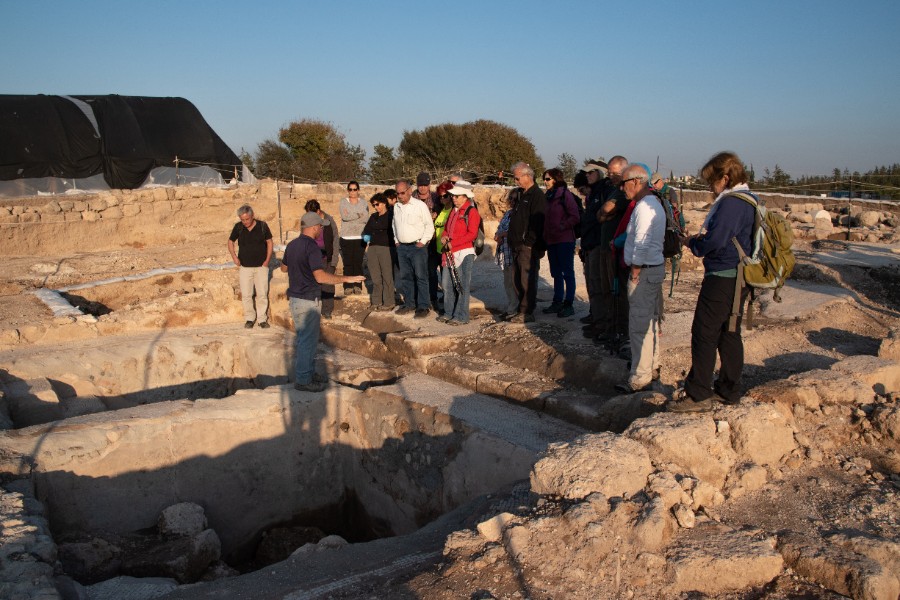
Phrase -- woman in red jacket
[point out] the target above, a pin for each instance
(458, 255)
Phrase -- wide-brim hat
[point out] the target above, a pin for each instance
(461, 191)
(595, 167)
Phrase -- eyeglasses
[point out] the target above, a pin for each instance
(352, 189)
(548, 179)
(621, 185)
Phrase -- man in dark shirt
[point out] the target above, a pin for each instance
(590, 239)
(254, 252)
(306, 272)
(526, 240)
(614, 318)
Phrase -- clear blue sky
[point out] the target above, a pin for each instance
(808, 85)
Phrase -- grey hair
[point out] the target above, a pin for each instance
(406, 181)
(640, 173)
(524, 167)
(245, 210)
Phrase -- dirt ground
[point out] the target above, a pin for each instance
(854, 485)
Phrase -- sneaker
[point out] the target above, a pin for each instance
(421, 313)
(404, 310)
(248, 325)
(553, 308)
(264, 325)
(312, 386)
(682, 403)
(565, 311)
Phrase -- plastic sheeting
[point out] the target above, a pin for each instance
(123, 138)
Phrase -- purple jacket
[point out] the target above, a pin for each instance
(561, 216)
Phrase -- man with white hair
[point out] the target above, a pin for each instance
(254, 240)
(526, 239)
(643, 254)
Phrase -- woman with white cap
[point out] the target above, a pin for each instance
(459, 255)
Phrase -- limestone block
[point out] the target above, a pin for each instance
(890, 346)
(184, 559)
(869, 218)
(886, 419)
(834, 387)
(66, 205)
(715, 559)
(664, 485)
(98, 204)
(162, 207)
(90, 560)
(51, 207)
(838, 568)
(761, 433)
(602, 462)
(179, 193)
(89, 215)
(800, 217)
(131, 210)
(159, 195)
(748, 478)
(79, 206)
(182, 519)
(18, 210)
(8, 218)
(214, 201)
(29, 217)
(59, 217)
(654, 527)
(492, 529)
(112, 213)
(881, 374)
(532, 393)
(685, 516)
(689, 441)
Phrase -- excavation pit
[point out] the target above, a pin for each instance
(358, 464)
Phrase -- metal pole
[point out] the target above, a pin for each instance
(849, 208)
(278, 202)
(176, 171)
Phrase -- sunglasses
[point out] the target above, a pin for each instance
(621, 185)
(376, 203)
(548, 179)
(352, 189)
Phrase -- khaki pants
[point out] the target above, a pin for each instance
(255, 278)
(643, 324)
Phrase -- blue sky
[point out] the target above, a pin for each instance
(808, 85)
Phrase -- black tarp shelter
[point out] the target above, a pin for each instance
(121, 138)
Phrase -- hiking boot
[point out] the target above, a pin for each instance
(682, 403)
(319, 378)
(404, 310)
(442, 319)
(264, 325)
(522, 318)
(554, 307)
(588, 320)
(312, 386)
(248, 325)
(628, 388)
(421, 313)
(565, 311)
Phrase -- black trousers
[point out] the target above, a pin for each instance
(710, 336)
(352, 253)
(526, 264)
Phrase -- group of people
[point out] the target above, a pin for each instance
(420, 252)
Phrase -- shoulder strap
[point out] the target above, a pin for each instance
(746, 197)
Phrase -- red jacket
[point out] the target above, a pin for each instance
(462, 236)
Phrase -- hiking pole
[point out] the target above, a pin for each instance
(454, 273)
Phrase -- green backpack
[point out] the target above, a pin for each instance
(771, 261)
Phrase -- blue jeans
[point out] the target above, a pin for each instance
(456, 304)
(562, 269)
(306, 315)
(413, 282)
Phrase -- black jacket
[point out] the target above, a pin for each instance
(526, 223)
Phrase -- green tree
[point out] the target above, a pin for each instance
(273, 160)
(482, 148)
(313, 150)
(384, 167)
(566, 163)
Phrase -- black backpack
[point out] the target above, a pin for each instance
(479, 238)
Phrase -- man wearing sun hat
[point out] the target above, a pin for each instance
(306, 274)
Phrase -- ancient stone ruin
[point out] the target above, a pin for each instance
(153, 448)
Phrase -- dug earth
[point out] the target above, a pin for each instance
(153, 448)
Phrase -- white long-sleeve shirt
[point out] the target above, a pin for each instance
(412, 222)
(645, 233)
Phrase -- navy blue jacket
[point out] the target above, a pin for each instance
(733, 218)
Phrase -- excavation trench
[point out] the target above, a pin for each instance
(192, 423)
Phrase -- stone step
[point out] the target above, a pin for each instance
(32, 401)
